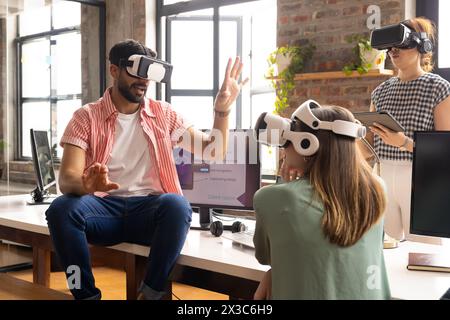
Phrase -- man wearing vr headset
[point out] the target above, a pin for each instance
(321, 233)
(118, 175)
(419, 100)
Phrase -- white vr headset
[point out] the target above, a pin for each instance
(274, 130)
(147, 68)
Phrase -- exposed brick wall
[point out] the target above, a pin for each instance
(326, 24)
(353, 94)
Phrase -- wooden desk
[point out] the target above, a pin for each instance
(206, 261)
(16, 289)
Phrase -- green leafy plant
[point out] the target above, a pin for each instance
(362, 42)
(284, 82)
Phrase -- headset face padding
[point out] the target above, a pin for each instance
(304, 143)
(269, 129)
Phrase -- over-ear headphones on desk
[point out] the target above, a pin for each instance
(217, 227)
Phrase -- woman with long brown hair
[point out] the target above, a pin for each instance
(322, 232)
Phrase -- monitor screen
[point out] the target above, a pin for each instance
(42, 159)
(230, 184)
(430, 200)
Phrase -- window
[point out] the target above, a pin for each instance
(49, 51)
(198, 37)
(436, 10)
(49, 66)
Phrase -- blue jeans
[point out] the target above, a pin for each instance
(159, 221)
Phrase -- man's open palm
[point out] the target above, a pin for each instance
(96, 179)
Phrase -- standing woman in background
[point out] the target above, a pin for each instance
(420, 101)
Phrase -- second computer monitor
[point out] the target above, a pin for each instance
(430, 199)
(42, 160)
(231, 184)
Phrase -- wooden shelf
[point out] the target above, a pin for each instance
(341, 75)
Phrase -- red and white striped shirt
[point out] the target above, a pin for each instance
(92, 128)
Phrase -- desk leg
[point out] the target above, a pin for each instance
(168, 290)
(41, 266)
(135, 270)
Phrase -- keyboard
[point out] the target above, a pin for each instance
(243, 237)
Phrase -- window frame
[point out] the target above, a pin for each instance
(195, 5)
(430, 10)
(53, 99)
(203, 92)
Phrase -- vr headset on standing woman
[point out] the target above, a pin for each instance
(402, 37)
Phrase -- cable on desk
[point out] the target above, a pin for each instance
(176, 297)
(220, 216)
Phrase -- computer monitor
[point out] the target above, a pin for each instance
(43, 165)
(430, 200)
(228, 185)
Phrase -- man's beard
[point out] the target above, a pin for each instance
(126, 92)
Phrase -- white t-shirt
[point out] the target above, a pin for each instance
(129, 164)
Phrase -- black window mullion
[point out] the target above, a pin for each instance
(44, 34)
(239, 53)
(192, 92)
(53, 93)
(194, 5)
(168, 55)
(216, 50)
(18, 148)
(158, 5)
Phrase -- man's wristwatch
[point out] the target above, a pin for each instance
(403, 146)
(222, 114)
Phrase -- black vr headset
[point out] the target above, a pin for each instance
(147, 68)
(402, 37)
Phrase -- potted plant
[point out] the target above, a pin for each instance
(284, 63)
(366, 57)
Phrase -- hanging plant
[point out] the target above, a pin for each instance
(284, 63)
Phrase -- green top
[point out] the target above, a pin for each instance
(305, 265)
